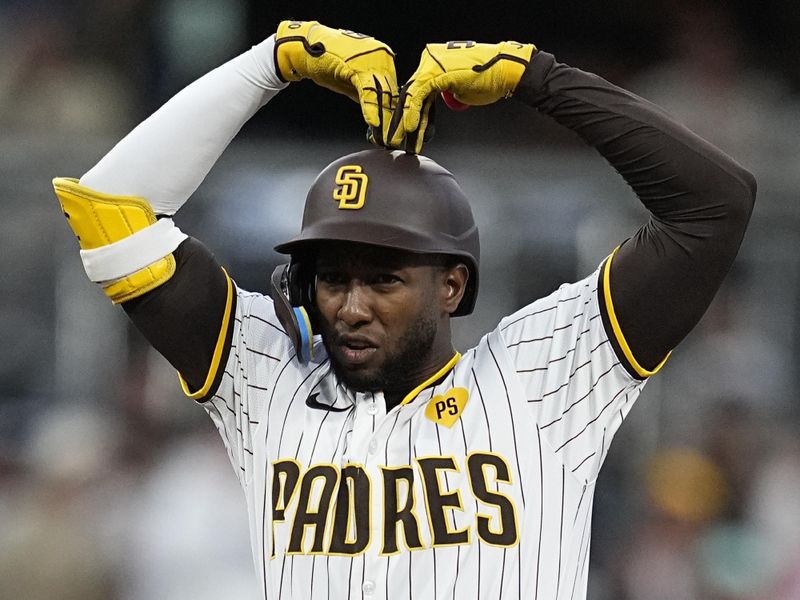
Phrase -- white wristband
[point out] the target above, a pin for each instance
(132, 253)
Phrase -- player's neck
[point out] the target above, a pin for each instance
(429, 374)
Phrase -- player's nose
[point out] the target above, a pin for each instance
(355, 307)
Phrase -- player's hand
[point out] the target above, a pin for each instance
(472, 73)
(353, 64)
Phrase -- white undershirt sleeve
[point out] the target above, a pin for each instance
(167, 156)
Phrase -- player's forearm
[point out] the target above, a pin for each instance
(167, 156)
(663, 279)
(116, 208)
(668, 166)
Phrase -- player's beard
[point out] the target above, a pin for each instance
(412, 351)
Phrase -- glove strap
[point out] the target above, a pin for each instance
(291, 45)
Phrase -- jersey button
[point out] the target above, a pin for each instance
(372, 408)
(368, 587)
(373, 446)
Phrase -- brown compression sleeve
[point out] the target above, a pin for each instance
(665, 276)
(182, 318)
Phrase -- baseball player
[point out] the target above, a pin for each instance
(377, 461)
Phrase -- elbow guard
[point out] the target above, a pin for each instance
(124, 247)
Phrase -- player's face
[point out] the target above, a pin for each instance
(384, 314)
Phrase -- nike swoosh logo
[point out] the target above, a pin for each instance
(312, 402)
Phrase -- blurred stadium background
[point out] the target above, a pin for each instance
(113, 485)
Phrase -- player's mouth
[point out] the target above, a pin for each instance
(356, 349)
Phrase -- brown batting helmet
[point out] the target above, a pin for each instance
(393, 200)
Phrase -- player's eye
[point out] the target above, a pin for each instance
(331, 278)
(386, 279)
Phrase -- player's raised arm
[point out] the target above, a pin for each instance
(120, 210)
(658, 284)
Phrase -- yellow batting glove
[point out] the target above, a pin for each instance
(353, 64)
(474, 74)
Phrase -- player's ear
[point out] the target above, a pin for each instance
(454, 284)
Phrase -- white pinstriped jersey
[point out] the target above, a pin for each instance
(437, 498)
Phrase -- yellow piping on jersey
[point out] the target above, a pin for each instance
(450, 364)
(215, 358)
(612, 317)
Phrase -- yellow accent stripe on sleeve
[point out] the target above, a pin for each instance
(449, 365)
(215, 359)
(612, 317)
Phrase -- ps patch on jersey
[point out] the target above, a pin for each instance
(447, 408)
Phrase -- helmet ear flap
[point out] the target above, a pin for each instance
(301, 285)
(292, 293)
